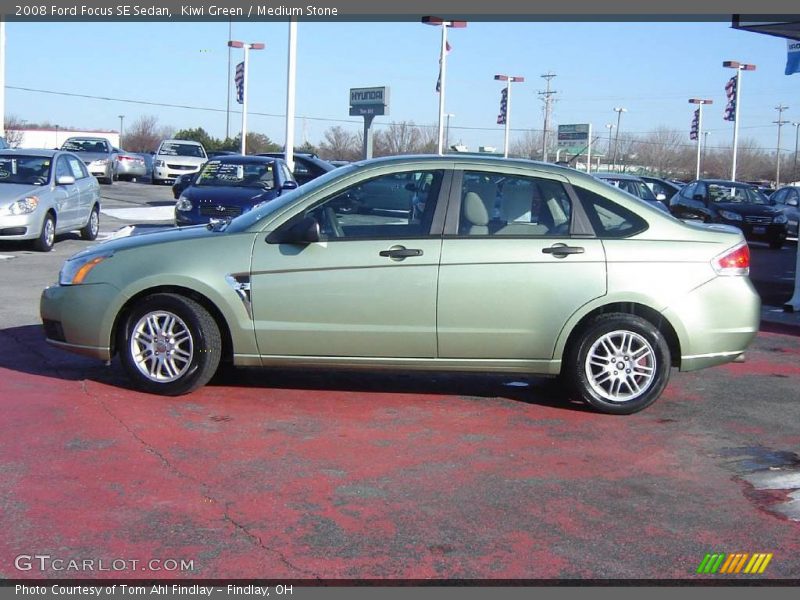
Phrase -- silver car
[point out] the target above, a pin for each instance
(46, 192)
(97, 154)
(130, 166)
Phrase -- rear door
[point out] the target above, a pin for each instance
(513, 269)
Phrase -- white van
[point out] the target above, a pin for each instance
(177, 157)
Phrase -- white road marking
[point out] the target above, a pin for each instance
(6, 256)
(144, 213)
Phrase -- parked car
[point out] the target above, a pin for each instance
(177, 157)
(44, 193)
(228, 186)
(662, 188)
(786, 200)
(635, 186)
(183, 182)
(575, 278)
(306, 166)
(97, 154)
(732, 203)
(130, 166)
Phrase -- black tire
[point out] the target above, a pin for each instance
(185, 366)
(624, 383)
(47, 236)
(92, 228)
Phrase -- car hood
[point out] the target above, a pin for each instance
(743, 208)
(228, 195)
(171, 234)
(11, 192)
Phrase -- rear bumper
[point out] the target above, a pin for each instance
(716, 322)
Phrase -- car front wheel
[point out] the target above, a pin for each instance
(170, 345)
(620, 364)
(92, 227)
(47, 235)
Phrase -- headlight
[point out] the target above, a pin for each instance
(25, 206)
(159, 163)
(780, 219)
(183, 204)
(75, 270)
(730, 216)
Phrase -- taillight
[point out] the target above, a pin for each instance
(735, 261)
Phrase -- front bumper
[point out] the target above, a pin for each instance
(80, 318)
(21, 227)
(168, 173)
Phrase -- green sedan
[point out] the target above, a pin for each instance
(486, 265)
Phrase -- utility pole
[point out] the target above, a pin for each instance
(780, 123)
(547, 108)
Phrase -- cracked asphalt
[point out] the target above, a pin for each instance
(304, 476)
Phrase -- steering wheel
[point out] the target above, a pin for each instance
(332, 222)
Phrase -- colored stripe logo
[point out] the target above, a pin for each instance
(736, 563)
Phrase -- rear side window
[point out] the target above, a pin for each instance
(609, 219)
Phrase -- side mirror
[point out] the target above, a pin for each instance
(290, 185)
(65, 180)
(661, 197)
(305, 231)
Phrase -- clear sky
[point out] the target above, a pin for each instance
(650, 68)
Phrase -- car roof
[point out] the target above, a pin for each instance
(619, 176)
(724, 182)
(313, 158)
(29, 152)
(248, 159)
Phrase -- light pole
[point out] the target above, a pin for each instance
(438, 21)
(705, 147)
(610, 127)
(780, 123)
(509, 79)
(732, 64)
(121, 120)
(247, 47)
(447, 131)
(794, 168)
(700, 102)
(619, 111)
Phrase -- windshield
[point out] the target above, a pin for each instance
(178, 149)
(731, 192)
(85, 145)
(30, 170)
(248, 219)
(221, 174)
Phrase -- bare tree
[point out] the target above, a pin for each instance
(145, 134)
(399, 138)
(528, 145)
(14, 126)
(660, 151)
(339, 144)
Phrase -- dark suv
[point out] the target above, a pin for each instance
(732, 203)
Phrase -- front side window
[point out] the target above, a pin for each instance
(76, 167)
(509, 205)
(397, 205)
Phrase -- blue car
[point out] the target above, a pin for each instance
(228, 186)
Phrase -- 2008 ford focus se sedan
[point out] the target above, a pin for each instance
(477, 264)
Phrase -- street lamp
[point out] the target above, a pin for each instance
(780, 123)
(247, 47)
(438, 21)
(121, 119)
(732, 64)
(610, 127)
(619, 111)
(794, 168)
(447, 131)
(700, 102)
(509, 79)
(705, 147)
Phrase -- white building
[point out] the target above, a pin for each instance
(55, 137)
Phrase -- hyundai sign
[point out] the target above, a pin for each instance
(573, 136)
(369, 101)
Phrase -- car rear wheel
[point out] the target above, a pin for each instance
(47, 236)
(620, 364)
(170, 345)
(92, 227)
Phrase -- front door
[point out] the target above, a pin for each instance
(368, 289)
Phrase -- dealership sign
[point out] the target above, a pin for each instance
(371, 101)
(573, 136)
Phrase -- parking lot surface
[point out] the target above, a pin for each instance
(305, 476)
